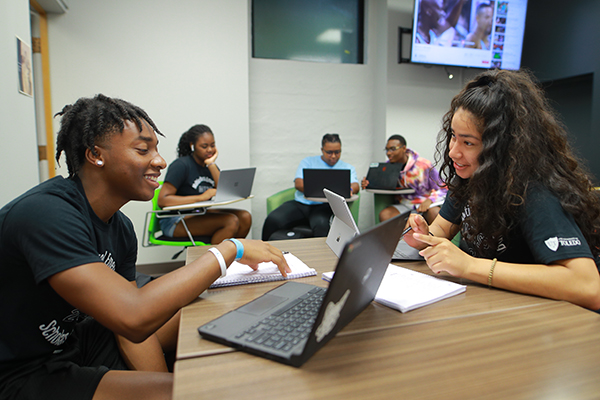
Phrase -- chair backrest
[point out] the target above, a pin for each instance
(277, 199)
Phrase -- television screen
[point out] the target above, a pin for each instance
(469, 33)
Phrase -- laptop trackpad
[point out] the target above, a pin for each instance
(262, 304)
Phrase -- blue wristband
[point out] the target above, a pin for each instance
(239, 249)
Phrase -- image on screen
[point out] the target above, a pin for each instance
(469, 33)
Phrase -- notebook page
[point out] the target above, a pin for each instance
(404, 289)
(240, 274)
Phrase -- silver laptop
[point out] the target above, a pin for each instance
(234, 184)
(343, 228)
(291, 322)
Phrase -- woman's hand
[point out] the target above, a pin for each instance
(418, 225)
(212, 159)
(443, 255)
(207, 195)
(257, 251)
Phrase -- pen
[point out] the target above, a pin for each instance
(408, 230)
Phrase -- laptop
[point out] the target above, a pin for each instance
(343, 228)
(359, 272)
(384, 176)
(234, 185)
(315, 180)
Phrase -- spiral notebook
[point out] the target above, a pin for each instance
(240, 274)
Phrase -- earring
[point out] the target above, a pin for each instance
(99, 163)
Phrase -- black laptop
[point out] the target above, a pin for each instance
(384, 176)
(336, 180)
(313, 314)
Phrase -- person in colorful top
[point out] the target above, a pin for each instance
(524, 204)
(419, 174)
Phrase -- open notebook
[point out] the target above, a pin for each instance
(240, 274)
(404, 289)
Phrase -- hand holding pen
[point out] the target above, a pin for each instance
(416, 223)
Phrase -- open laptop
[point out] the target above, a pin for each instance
(384, 176)
(358, 274)
(343, 228)
(315, 180)
(234, 185)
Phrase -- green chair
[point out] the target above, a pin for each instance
(277, 199)
(381, 201)
(153, 235)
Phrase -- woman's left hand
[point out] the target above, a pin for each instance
(212, 159)
(443, 255)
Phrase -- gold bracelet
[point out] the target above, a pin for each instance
(491, 274)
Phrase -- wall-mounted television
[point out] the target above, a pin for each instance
(468, 33)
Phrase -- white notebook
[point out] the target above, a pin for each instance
(241, 274)
(404, 289)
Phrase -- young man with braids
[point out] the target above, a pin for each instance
(74, 324)
(194, 177)
(523, 203)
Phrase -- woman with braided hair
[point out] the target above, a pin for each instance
(74, 323)
(525, 207)
(194, 177)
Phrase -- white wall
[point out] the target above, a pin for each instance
(184, 62)
(293, 104)
(18, 144)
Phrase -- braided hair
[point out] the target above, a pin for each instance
(90, 121)
(190, 137)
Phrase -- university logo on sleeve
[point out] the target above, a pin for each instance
(552, 243)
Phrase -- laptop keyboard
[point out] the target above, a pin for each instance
(288, 326)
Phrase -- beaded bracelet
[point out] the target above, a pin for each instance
(491, 274)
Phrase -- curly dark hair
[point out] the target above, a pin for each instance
(523, 142)
(190, 137)
(89, 121)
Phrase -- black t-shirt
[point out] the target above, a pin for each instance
(545, 232)
(49, 229)
(189, 177)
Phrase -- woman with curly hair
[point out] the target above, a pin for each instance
(521, 200)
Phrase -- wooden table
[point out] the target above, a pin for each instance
(484, 343)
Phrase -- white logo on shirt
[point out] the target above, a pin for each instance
(53, 333)
(200, 180)
(108, 259)
(554, 242)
